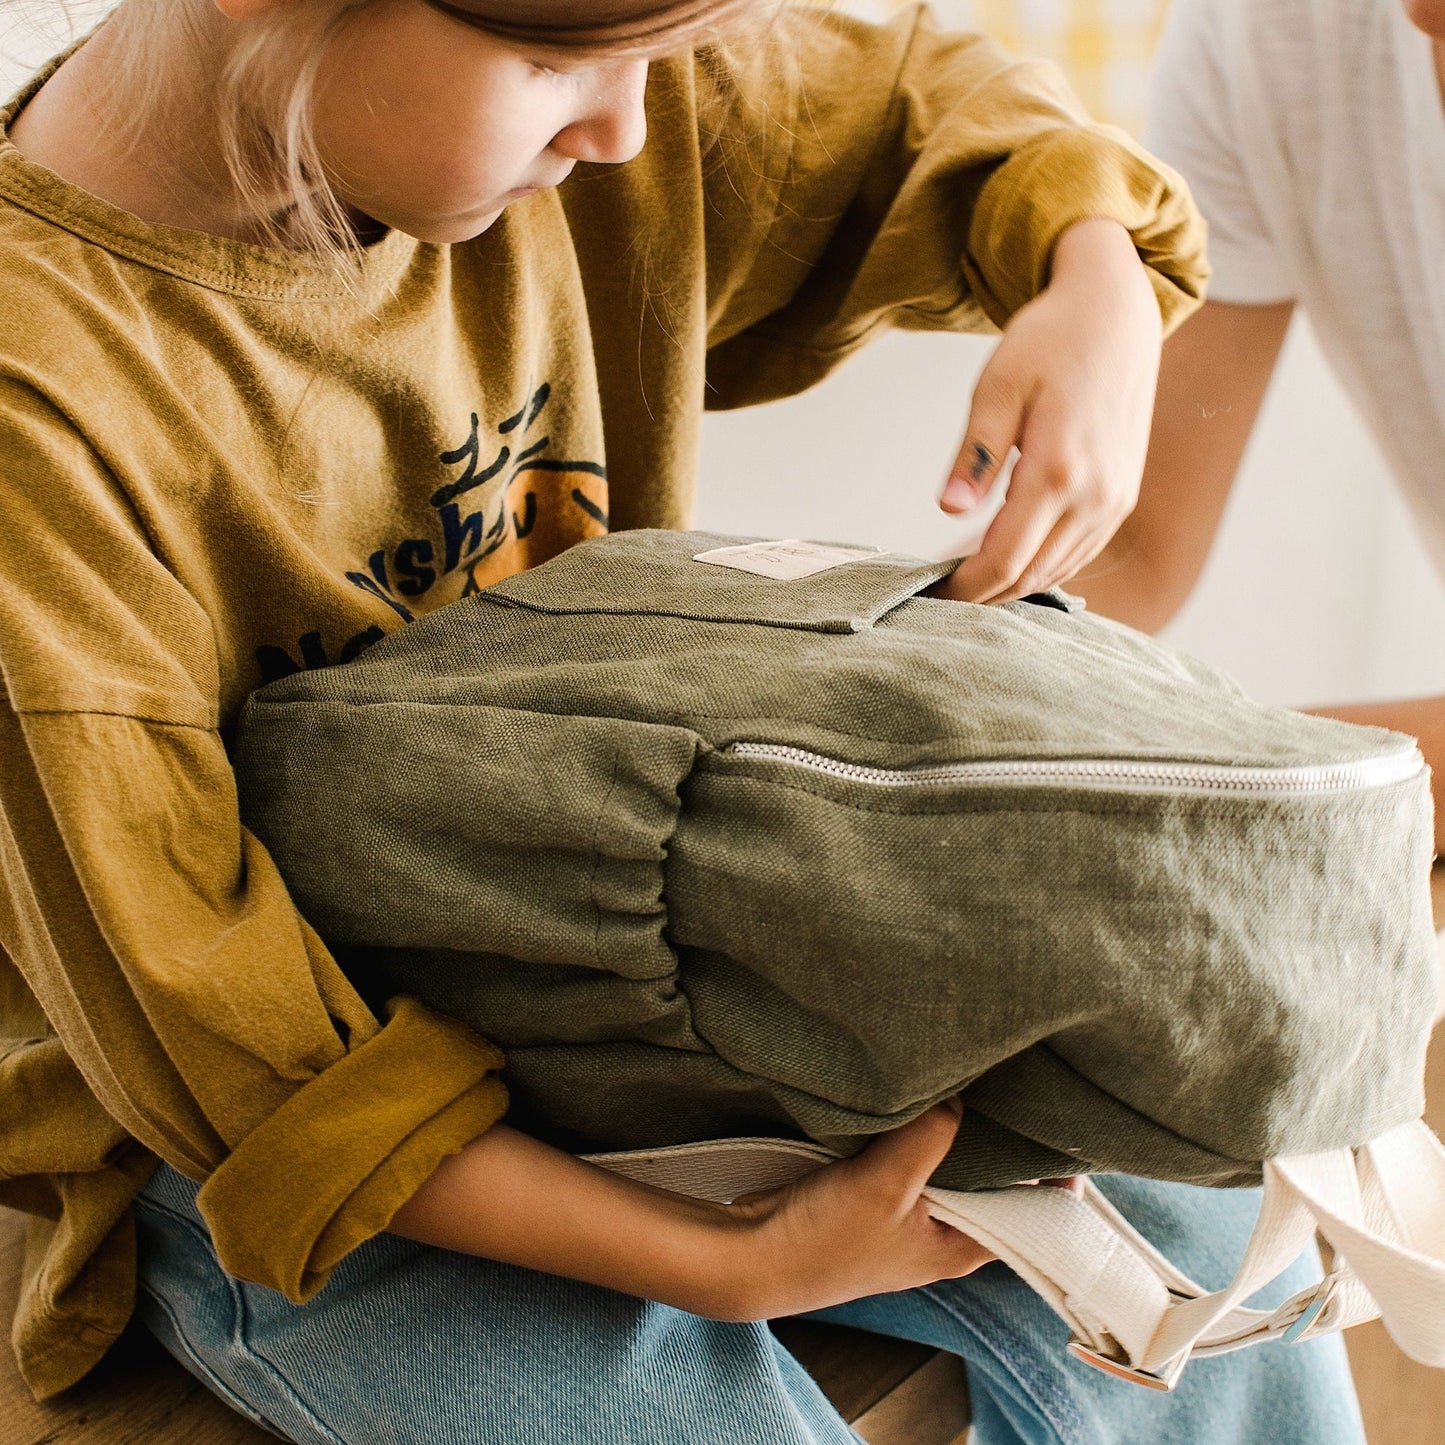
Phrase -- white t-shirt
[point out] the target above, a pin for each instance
(1313, 135)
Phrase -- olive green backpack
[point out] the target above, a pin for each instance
(723, 839)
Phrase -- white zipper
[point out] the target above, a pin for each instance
(1111, 774)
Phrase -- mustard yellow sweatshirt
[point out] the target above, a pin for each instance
(218, 464)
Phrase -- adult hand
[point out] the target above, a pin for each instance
(1071, 384)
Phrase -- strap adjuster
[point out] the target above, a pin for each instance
(1120, 1371)
(1313, 1308)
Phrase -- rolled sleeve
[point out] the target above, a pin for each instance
(920, 181)
(200, 1009)
(1069, 176)
(329, 1168)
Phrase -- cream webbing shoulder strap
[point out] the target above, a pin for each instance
(1381, 1207)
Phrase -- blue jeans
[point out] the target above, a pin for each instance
(411, 1345)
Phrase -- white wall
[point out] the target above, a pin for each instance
(1317, 589)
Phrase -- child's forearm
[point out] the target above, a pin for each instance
(1099, 252)
(509, 1197)
(857, 1227)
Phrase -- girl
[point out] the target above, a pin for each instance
(318, 314)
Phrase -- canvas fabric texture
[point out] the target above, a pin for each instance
(538, 811)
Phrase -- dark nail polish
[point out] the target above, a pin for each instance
(982, 462)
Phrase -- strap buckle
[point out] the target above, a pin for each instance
(1120, 1371)
(1312, 1309)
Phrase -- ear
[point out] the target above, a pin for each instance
(248, 9)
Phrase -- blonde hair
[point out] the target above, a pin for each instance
(265, 86)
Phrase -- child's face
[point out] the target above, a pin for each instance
(432, 127)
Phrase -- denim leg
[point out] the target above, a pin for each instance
(410, 1345)
(1027, 1389)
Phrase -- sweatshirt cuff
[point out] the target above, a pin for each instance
(1071, 175)
(330, 1168)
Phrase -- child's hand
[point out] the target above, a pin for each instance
(854, 1228)
(858, 1227)
(1071, 384)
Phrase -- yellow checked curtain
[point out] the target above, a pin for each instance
(1105, 46)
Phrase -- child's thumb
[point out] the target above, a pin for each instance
(994, 424)
(907, 1156)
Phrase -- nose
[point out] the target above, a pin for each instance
(612, 124)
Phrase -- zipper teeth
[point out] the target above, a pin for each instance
(1110, 773)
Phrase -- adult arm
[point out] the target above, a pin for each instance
(1214, 375)
(1212, 380)
(1216, 368)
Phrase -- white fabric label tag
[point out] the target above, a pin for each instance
(784, 561)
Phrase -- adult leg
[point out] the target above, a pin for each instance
(410, 1345)
(1027, 1388)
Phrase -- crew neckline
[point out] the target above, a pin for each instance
(218, 263)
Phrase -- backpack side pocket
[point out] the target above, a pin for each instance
(479, 829)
